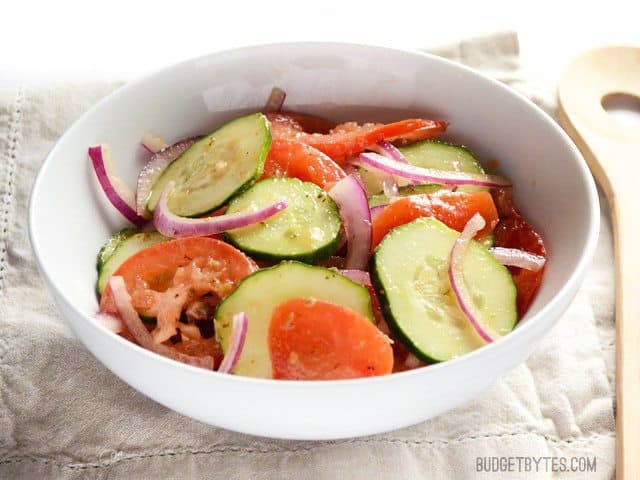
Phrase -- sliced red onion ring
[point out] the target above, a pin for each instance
(152, 143)
(518, 258)
(359, 276)
(239, 327)
(132, 320)
(456, 278)
(275, 101)
(150, 173)
(389, 150)
(389, 184)
(429, 175)
(351, 169)
(354, 209)
(118, 193)
(110, 322)
(171, 225)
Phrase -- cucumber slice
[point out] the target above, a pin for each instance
(410, 271)
(382, 199)
(443, 156)
(126, 247)
(259, 293)
(216, 167)
(307, 230)
(371, 182)
(112, 244)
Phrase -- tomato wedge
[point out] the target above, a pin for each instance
(314, 340)
(454, 209)
(514, 232)
(289, 158)
(517, 233)
(351, 139)
(168, 277)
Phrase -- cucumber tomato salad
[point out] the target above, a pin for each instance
(283, 245)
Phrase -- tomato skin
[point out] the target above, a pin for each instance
(289, 158)
(348, 139)
(342, 144)
(454, 209)
(351, 139)
(200, 348)
(515, 232)
(314, 340)
(282, 125)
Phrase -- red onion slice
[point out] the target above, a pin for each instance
(150, 173)
(239, 327)
(174, 226)
(354, 209)
(359, 276)
(518, 258)
(114, 188)
(132, 320)
(110, 322)
(152, 143)
(456, 278)
(389, 184)
(389, 150)
(351, 169)
(429, 175)
(275, 101)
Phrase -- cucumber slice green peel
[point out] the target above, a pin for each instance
(126, 244)
(409, 271)
(259, 293)
(107, 250)
(426, 154)
(443, 156)
(216, 167)
(307, 230)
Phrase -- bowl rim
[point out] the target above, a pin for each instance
(495, 348)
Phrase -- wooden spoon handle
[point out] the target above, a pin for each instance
(627, 251)
(613, 154)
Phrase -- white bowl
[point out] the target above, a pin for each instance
(70, 219)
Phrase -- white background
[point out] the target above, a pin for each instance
(76, 41)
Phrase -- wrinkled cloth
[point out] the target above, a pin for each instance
(63, 415)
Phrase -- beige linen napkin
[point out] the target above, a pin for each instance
(63, 415)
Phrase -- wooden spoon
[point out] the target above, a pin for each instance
(612, 151)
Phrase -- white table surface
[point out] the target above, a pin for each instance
(65, 40)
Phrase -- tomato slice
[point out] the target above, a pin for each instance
(166, 278)
(454, 209)
(289, 158)
(201, 347)
(515, 232)
(314, 340)
(351, 139)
